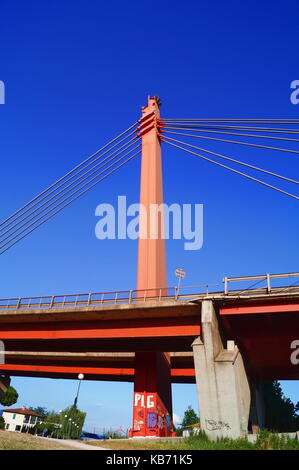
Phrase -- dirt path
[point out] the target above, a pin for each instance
(75, 444)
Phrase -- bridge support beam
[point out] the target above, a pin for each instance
(222, 384)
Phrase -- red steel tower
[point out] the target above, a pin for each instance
(152, 406)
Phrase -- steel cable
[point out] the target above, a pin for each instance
(288, 139)
(70, 172)
(68, 203)
(222, 127)
(10, 238)
(236, 161)
(64, 191)
(259, 121)
(233, 170)
(231, 141)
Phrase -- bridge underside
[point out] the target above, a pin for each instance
(98, 340)
(118, 367)
(264, 332)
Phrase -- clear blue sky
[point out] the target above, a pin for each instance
(76, 74)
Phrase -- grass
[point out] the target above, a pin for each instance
(20, 441)
(265, 441)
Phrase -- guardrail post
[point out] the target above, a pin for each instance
(52, 301)
(19, 303)
(268, 284)
(225, 285)
(89, 299)
(130, 297)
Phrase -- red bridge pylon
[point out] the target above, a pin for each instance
(152, 405)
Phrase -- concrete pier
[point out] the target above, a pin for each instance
(222, 384)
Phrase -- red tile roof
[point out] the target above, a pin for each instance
(23, 411)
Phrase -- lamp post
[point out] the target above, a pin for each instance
(80, 378)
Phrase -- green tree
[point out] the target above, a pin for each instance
(72, 421)
(10, 397)
(40, 410)
(281, 413)
(190, 417)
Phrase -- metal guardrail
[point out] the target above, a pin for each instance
(266, 277)
(157, 294)
(114, 297)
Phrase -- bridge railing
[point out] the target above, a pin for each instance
(158, 294)
(110, 297)
(266, 279)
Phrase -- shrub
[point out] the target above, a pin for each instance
(10, 397)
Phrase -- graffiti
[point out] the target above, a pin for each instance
(137, 425)
(213, 425)
(144, 402)
(152, 420)
(160, 422)
(168, 421)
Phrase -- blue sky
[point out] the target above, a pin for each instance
(76, 74)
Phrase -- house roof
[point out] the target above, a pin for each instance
(23, 411)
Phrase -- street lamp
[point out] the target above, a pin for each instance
(80, 378)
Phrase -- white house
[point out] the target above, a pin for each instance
(20, 418)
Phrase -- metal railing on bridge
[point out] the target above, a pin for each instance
(111, 297)
(185, 293)
(266, 278)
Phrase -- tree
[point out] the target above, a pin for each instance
(281, 413)
(72, 421)
(190, 417)
(40, 410)
(10, 397)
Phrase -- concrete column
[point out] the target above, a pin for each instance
(257, 408)
(222, 385)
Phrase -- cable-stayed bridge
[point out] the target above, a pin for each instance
(225, 339)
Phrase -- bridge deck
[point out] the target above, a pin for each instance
(63, 340)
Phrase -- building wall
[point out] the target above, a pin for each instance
(15, 421)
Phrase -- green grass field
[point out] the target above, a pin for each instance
(265, 441)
